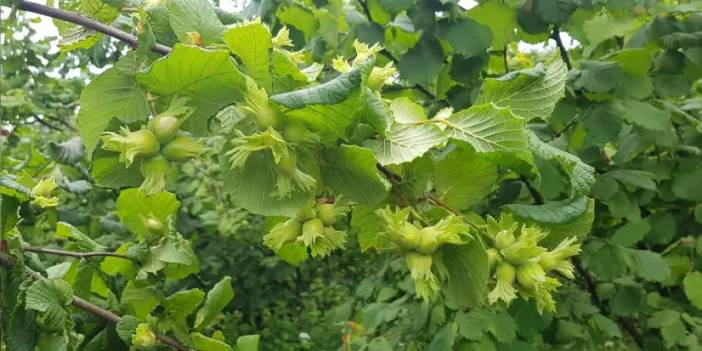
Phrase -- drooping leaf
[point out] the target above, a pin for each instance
(203, 343)
(581, 175)
(253, 186)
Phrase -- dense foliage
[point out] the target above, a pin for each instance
(354, 175)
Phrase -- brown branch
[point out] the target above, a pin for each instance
(431, 197)
(538, 199)
(556, 35)
(394, 178)
(72, 253)
(86, 22)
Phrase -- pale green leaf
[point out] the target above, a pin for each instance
(500, 18)
(217, 298)
(368, 227)
(488, 128)
(253, 186)
(248, 343)
(50, 297)
(181, 304)
(209, 78)
(141, 301)
(405, 142)
(530, 93)
(462, 178)
(203, 343)
(351, 171)
(186, 16)
(251, 43)
(134, 207)
(693, 288)
(112, 94)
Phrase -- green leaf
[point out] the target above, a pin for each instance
(209, 78)
(367, 225)
(405, 142)
(627, 300)
(578, 227)
(329, 93)
(631, 233)
(126, 327)
(351, 171)
(252, 187)
(109, 172)
(423, 62)
(462, 178)
(67, 231)
(693, 288)
(181, 304)
(581, 175)
(174, 256)
(530, 93)
(248, 343)
(471, 325)
(51, 297)
(134, 207)
(374, 111)
(251, 42)
(9, 213)
(455, 32)
(203, 343)
(650, 265)
(407, 111)
(488, 128)
(597, 77)
(198, 16)
(217, 298)
(557, 212)
(502, 327)
(300, 18)
(645, 115)
(500, 18)
(112, 94)
(468, 271)
(444, 339)
(635, 178)
(141, 301)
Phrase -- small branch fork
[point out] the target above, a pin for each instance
(89, 307)
(86, 22)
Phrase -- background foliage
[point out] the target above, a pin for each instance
(631, 111)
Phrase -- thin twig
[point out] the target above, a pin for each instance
(74, 254)
(431, 197)
(395, 178)
(538, 199)
(556, 35)
(86, 22)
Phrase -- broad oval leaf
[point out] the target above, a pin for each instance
(351, 171)
(405, 142)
